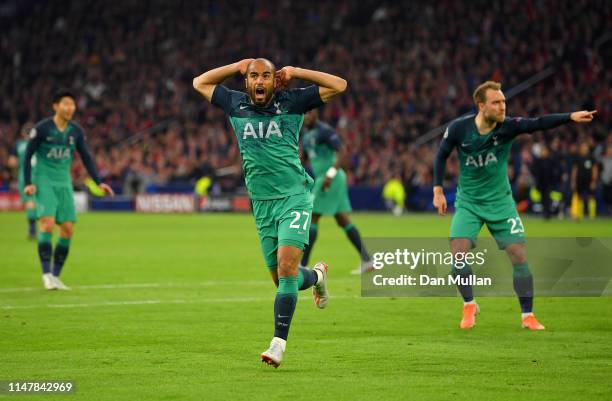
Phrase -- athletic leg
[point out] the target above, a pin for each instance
(312, 237)
(522, 280)
(465, 226)
(31, 214)
(45, 250)
(343, 220)
(60, 253)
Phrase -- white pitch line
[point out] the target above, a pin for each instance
(156, 285)
(151, 302)
(137, 285)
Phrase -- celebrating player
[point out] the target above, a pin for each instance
(484, 196)
(267, 124)
(18, 160)
(322, 148)
(54, 141)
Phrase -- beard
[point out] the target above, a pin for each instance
(492, 118)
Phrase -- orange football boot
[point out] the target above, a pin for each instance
(469, 316)
(531, 323)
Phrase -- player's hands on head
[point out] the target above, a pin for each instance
(283, 76)
(30, 190)
(107, 189)
(244, 64)
(583, 116)
(439, 201)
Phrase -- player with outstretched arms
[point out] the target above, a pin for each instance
(484, 196)
(54, 142)
(267, 120)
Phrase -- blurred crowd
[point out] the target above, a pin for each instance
(411, 67)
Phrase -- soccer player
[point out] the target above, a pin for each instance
(18, 160)
(322, 148)
(585, 173)
(484, 196)
(267, 124)
(54, 141)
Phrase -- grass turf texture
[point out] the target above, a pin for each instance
(189, 309)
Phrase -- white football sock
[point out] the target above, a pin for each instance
(283, 343)
(319, 275)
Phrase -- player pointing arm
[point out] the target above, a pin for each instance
(517, 125)
(484, 196)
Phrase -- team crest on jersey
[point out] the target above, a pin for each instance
(494, 140)
(71, 140)
(479, 161)
(271, 129)
(278, 109)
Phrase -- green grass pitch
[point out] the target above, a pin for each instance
(178, 307)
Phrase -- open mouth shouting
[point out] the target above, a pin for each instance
(260, 94)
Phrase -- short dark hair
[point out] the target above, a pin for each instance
(62, 93)
(265, 60)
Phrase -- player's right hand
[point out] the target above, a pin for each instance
(244, 64)
(30, 190)
(583, 116)
(439, 201)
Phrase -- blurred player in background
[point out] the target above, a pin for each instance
(323, 150)
(546, 171)
(606, 173)
(54, 142)
(483, 143)
(267, 124)
(18, 160)
(585, 173)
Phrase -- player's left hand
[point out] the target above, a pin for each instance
(107, 189)
(283, 76)
(326, 184)
(583, 116)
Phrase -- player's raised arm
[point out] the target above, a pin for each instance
(446, 147)
(90, 165)
(206, 83)
(529, 125)
(330, 85)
